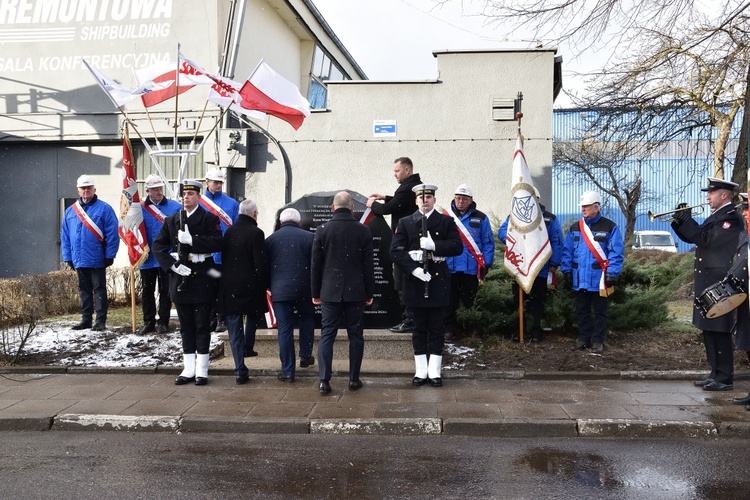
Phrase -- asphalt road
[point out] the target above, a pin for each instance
(163, 465)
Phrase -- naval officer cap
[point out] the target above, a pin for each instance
(421, 189)
(714, 183)
(190, 185)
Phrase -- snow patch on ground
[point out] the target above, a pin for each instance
(459, 355)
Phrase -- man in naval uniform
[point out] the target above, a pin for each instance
(420, 245)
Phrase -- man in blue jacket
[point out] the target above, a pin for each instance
(89, 243)
(545, 278)
(478, 254)
(290, 257)
(592, 259)
(227, 209)
(156, 208)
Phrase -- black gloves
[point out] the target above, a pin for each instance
(108, 262)
(610, 280)
(682, 215)
(70, 264)
(568, 278)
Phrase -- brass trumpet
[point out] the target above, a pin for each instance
(661, 216)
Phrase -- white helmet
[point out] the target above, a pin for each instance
(214, 174)
(84, 181)
(154, 181)
(589, 198)
(464, 190)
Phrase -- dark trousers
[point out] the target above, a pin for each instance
(194, 327)
(429, 329)
(149, 278)
(286, 312)
(92, 288)
(719, 354)
(398, 281)
(463, 291)
(332, 315)
(591, 309)
(534, 301)
(237, 341)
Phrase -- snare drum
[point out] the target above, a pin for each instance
(721, 298)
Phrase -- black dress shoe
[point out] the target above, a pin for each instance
(249, 353)
(418, 382)
(718, 386)
(436, 382)
(305, 362)
(162, 329)
(741, 401)
(183, 380)
(147, 328)
(580, 345)
(701, 383)
(355, 385)
(98, 327)
(201, 380)
(324, 388)
(405, 327)
(83, 325)
(242, 379)
(285, 378)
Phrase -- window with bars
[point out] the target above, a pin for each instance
(170, 165)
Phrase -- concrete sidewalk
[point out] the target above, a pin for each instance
(509, 404)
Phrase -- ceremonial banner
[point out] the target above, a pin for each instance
(528, 247)
(165, 73)
(120, 95)
(226, 93)
(267, 91)
(132, 229)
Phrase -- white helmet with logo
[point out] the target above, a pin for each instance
(589, 198)
(464, 190)
(214, 174)
(154, 181)
(85, 181)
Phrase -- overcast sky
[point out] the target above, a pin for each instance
(394, 39)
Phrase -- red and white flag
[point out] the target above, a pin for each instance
(226, 93)
(267, 91)
(120, 95)
(131, 228)
(174, 83)
(528, 247)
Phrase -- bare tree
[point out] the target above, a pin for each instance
(609, 167)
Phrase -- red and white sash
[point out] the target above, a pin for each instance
(469, 243)
(599, 255)
(270, 316)
(367, 216)
(154, 211)
(87, 222)
(215, 209)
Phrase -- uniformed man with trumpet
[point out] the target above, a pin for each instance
(184, 248)
(715, 242)
(419, 247)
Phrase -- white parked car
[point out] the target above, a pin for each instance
(654, 240)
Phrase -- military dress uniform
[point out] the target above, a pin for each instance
(715, 243)
(193, 295)
(429, 326)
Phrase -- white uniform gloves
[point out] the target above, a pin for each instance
(421, 275)
(185, 237)
(181, 269)
(426, 243)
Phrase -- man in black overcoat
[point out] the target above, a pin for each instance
(244, 280)
(401, 204)
(342, 281)
(715, 243)
(419, 249)
(183, 248)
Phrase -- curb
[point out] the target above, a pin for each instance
(665, 429)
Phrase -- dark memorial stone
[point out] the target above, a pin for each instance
(315, 209)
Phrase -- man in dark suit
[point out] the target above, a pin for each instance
(715, 243)
(183, 247)
(343, 280)
(290, 256)
(243, 282)
(400, 205)
(419, 248)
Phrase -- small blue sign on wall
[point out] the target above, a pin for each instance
(384, 128)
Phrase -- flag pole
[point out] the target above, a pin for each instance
(132, 296)
(176, 97)
(519, 115)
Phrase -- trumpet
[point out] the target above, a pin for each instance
(662, 216)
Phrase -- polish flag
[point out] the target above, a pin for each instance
(226, 93)
(271, 93)
(162, 73)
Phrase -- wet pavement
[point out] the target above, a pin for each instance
(508, 404)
